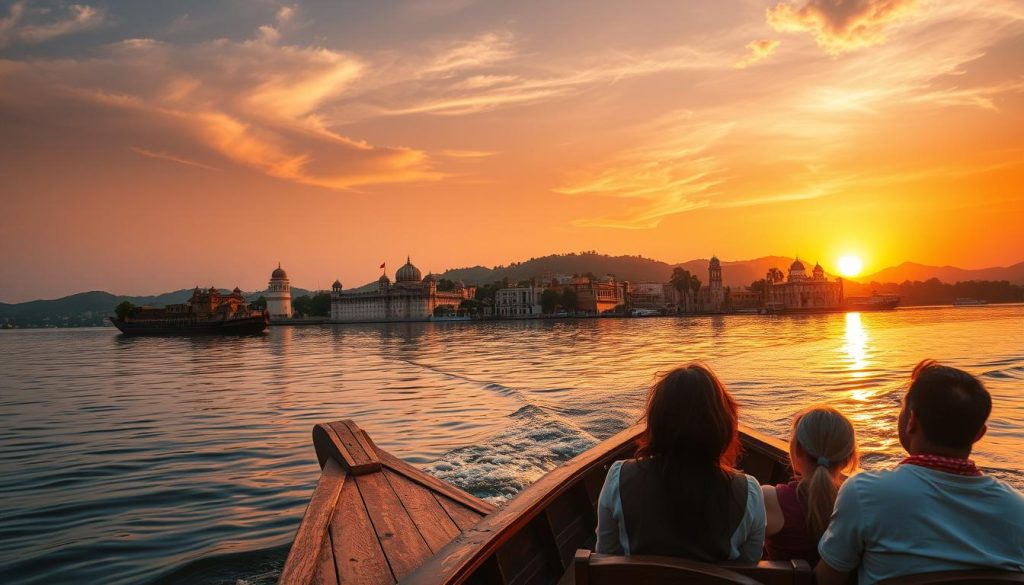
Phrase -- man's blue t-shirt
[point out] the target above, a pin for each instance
(917, 520)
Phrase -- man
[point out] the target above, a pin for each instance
(935, 511)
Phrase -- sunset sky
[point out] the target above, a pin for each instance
(151, 146)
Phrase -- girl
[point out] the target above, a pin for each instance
(681, 495)
(822, 449)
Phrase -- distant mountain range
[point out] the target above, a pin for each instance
(90, 308)
(734, 273)
(632, 268)
(950, 274)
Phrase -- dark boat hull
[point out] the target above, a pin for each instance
(243, 326)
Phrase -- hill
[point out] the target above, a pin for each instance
(89, 309)
(632, 268)
(913, 271)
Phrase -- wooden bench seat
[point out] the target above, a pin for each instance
(597, 569)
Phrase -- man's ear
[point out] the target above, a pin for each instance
(981, 433)
(912, 422)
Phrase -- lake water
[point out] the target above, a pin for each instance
(188, 460)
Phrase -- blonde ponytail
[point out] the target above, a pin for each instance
(825, 441)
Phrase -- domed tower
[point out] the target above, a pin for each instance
(336, 287)
(279, 295)
(818, 273)
(408, 273)
(716, 292)
(430, 281)
(797, 271)
(383, 282)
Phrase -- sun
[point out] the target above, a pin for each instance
(850, 265)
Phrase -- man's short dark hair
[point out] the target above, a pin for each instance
(950, 404)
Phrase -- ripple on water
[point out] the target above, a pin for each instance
(178, 460)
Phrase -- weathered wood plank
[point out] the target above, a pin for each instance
(361, 437)
(464, 517)
(426, 480)
(434, 524)
(303, 556)
(403, 546)
(358, 554)
(326, 572)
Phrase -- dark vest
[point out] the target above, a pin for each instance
(649, 524)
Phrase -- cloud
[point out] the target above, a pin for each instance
(173, 158)
(481, 51)
(29, 26)
(759, 50)
(254, 103)
(667, 177)
(839, 26)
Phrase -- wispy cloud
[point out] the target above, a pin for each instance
(666, 178)
(759, 51)
(170, 157)
(839, 26)
(24, 24)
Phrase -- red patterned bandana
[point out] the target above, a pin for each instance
(945, 464)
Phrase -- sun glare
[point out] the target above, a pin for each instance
(850, 265)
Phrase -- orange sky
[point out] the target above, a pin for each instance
(150, 148)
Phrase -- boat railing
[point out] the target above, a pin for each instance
(538, 513)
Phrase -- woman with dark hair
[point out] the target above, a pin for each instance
(681, 495)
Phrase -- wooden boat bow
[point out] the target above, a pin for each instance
(372, 518)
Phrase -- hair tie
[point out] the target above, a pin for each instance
(824, 462)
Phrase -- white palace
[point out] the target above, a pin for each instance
(410, 298)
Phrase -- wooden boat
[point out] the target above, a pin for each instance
(374, 519)
(249, 325)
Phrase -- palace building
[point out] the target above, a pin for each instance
(279, 295)
(800, 292)
(410, 298)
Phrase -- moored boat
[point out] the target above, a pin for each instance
(207, 312)
(969, 302)
(875, 302)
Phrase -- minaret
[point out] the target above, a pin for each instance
(279, 295)
(715, 289)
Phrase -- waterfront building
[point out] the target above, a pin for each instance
(411, 297)
(650, 295)
(205, 303)
(800, 292)
(279, 295)
(518, 301)
(711, 297)
(593, 295)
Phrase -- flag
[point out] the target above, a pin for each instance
(382, 265)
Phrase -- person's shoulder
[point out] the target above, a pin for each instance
(753, 487)
(1013, 496)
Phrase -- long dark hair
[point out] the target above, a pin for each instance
(692, 442)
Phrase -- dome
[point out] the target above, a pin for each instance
(818, 268)
(278, 273)
(237, 291)
(430, 277)
(336, 285)
(797, 265)
(408, 273)
(715, 262)
(384, 279)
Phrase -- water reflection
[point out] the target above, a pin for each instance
(130, 457)
(856, 346)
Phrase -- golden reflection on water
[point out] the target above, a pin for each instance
(856, 348)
